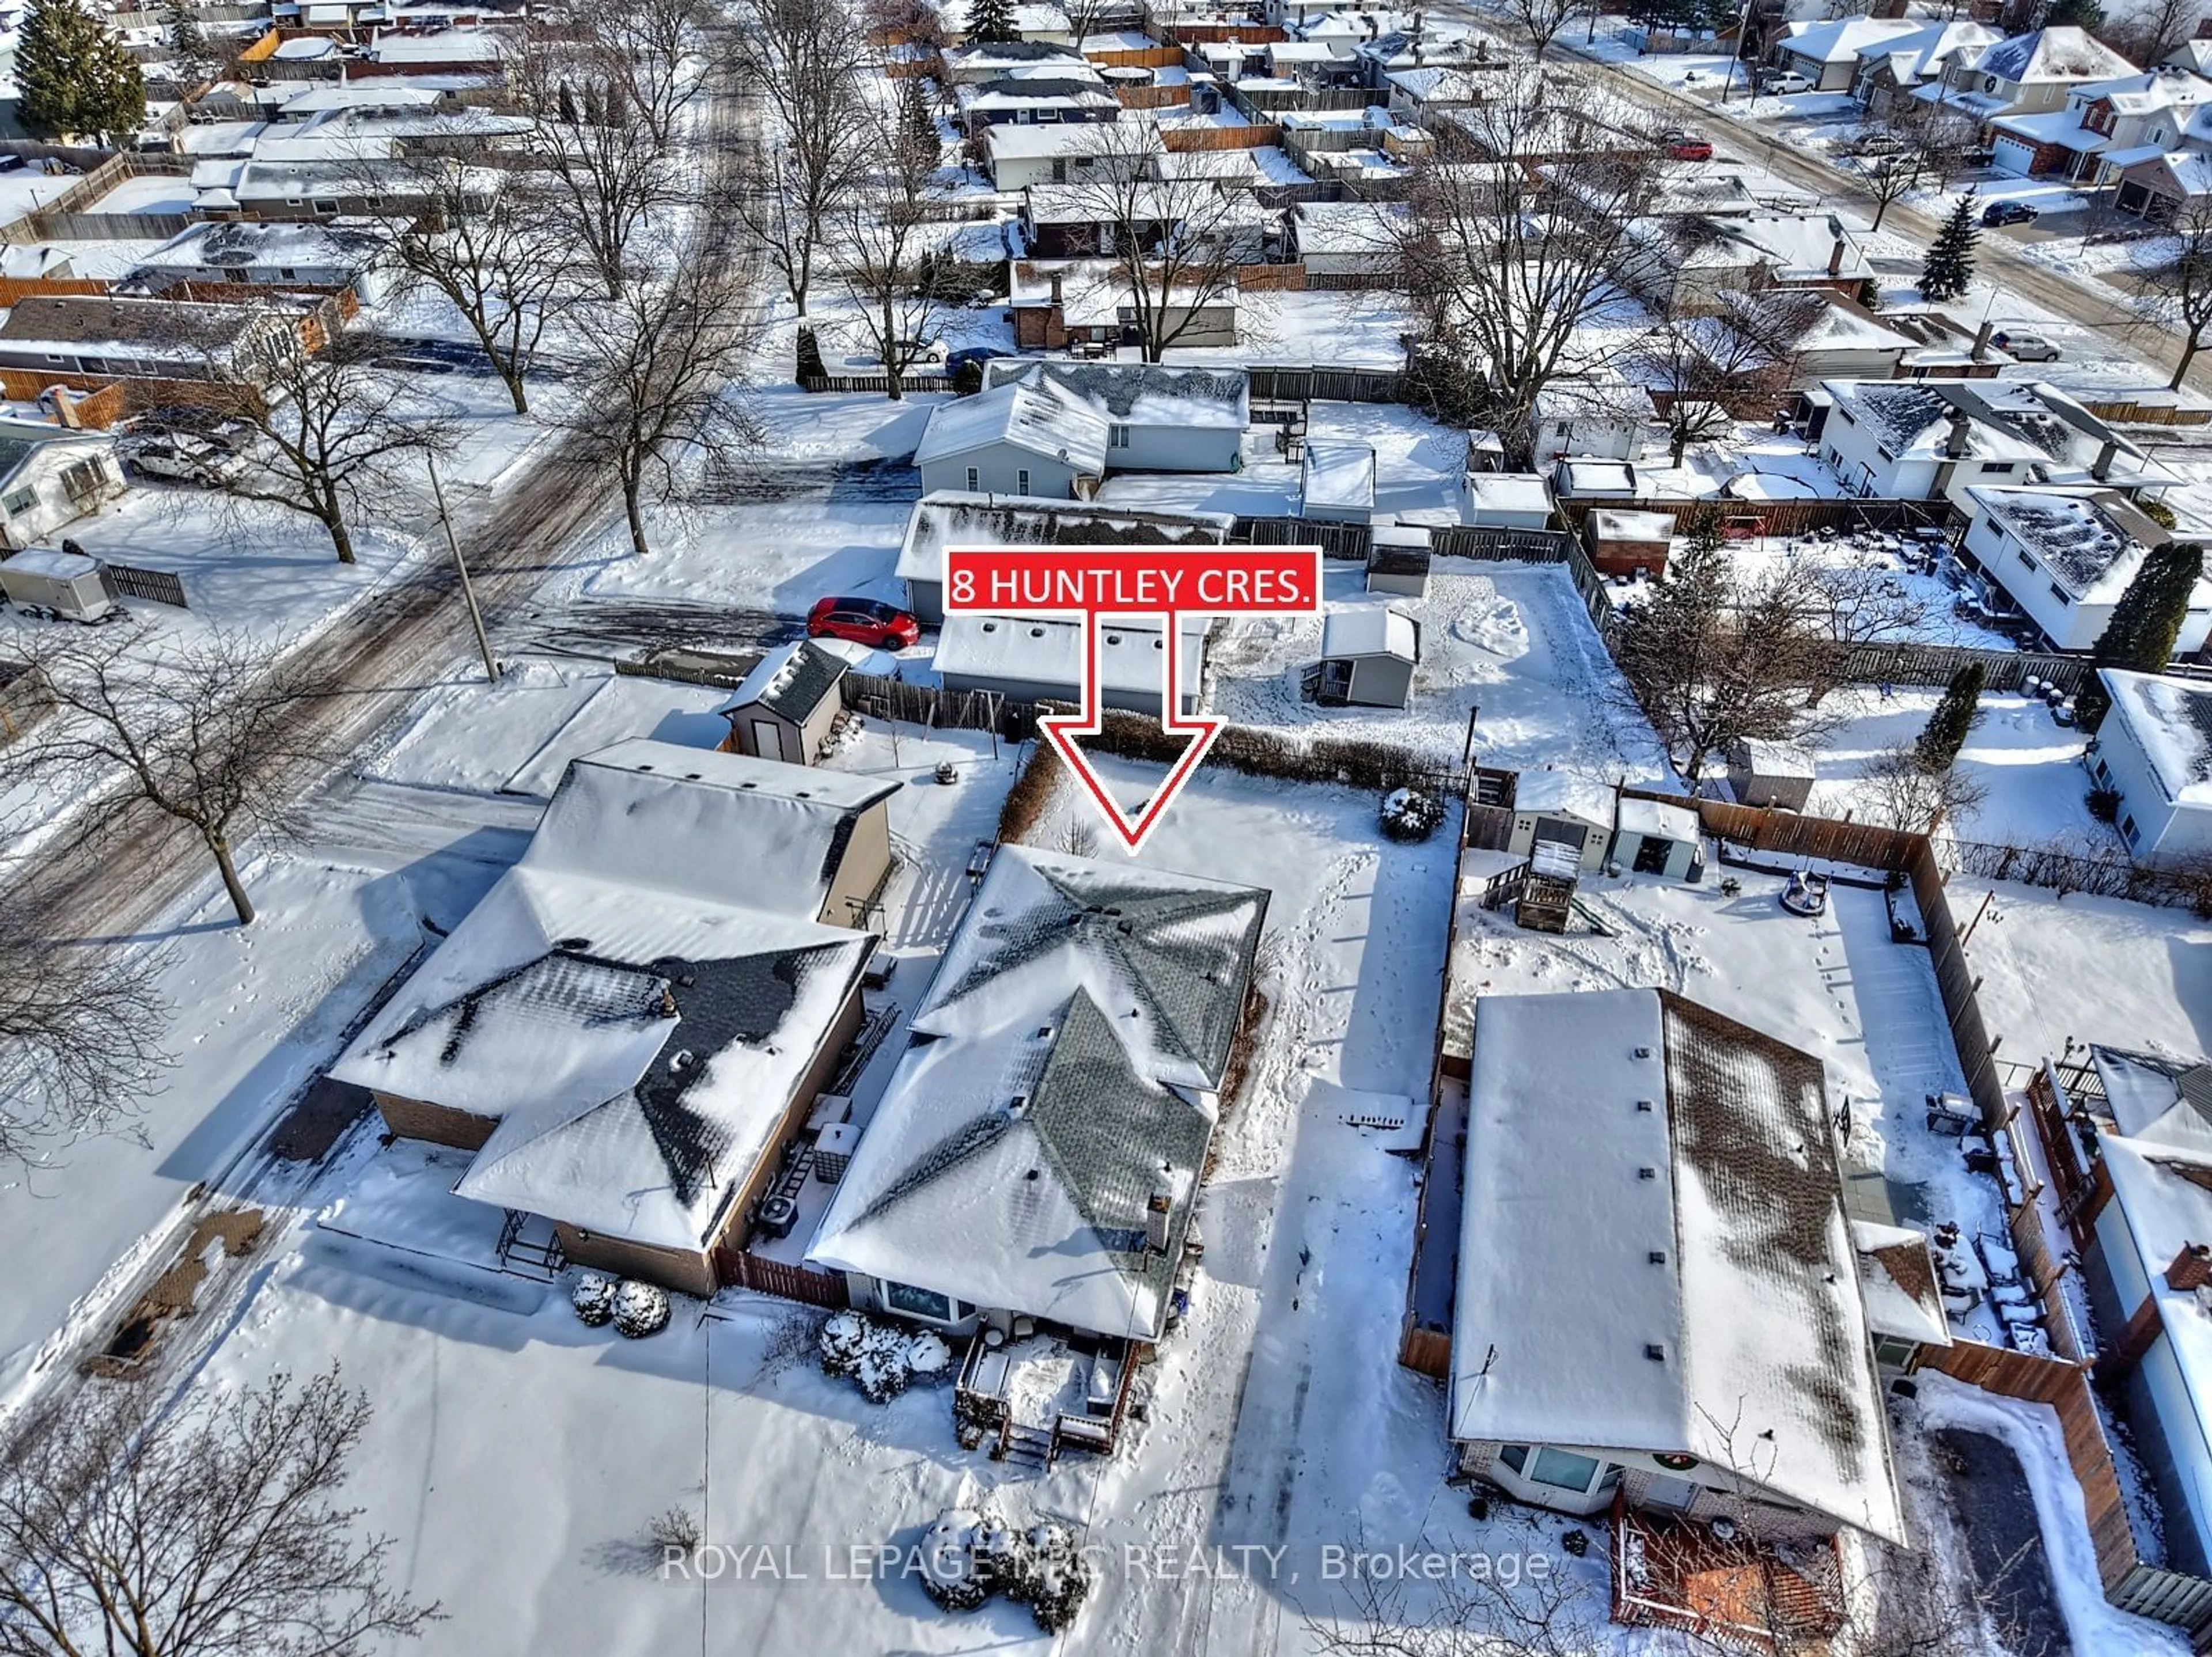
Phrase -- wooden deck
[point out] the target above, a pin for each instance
(1672, 1573)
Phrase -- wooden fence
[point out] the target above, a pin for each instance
(792, 1282)
(882, 698)
(1347, 542)
(1306, 384)
(1157, 96)
(1289, 278)
(2002, 670)
(1190, 140)
(1784, 518)
(1502, 546)
(1424, 1352)
(67, 217)
(914, 382)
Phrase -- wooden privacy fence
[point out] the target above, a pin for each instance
(1424, 1352)
(882, 698)
(1304, 385)
(1189, 140)
(1783, 517)
(1349, 541)
(914, 382)
(1502, 546)
(2002, 670)
(792, 1282)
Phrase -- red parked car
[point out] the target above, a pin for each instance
(1686, 148)
(864, 621)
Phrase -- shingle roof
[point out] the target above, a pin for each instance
(1152, 394)
(791, 682)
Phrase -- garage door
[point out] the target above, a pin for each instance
(2013, 157)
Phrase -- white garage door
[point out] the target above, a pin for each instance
(2013, 157)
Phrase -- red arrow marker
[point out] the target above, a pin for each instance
(1126, 584)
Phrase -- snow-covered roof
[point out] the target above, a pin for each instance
(1337, 473)
(1520, 492)
(1563, 792)
(950, 517)
(2005, 419)
(638, 1047)
(2164, 1198)
(1036, 418)
(2075, 536)
(1655, 1255)
(2058, 53)
(1833, 39)
(1897, 1275)
(2157, 1100)
(2171, 720)
(1657, 819)
(359, 94)
(721, 827)
(1048, 651)
(1914, 57)
(791, 681)
(1062, 1075)
(1012, 141)
(348, 246)
(1613, 524)
(1374, 229)
(1137, 393)
(2190, 170)
(52, 563)
(1371, 630)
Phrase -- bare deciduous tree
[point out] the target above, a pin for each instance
(334, 431)
(1902, 792)
(210, 1531)
(77, 1040)
(207, 733)
(884, 257)
(2175, 274)
(656, 46)
(802, 59)
(1705, 367)
(611, 173)
(2147, 32)
(1174, 237)
(1542, 20)
(1509, 264)
(499, 253)
(663, 359)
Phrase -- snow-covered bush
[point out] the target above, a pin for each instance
(641, 1308)
(594, 1297)
(949, 1572)
(882, 1357)
(926, 1354)
(1053, 1579)
(842, 1336)
(1410, 815)
(882, 1369)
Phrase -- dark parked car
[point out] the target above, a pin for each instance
(864, 621)
(2009, 213)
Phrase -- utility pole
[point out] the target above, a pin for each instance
(468, 586)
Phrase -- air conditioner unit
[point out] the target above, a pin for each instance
(777, 1216)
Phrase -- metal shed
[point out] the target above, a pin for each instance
(1398, 558)
(1655, 838)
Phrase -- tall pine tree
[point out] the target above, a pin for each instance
(1950, 264)
(2145, 624)
(1955, 716)
(74, 78)
(180, 24)
(991, 21)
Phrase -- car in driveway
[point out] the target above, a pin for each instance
(178, 460)
(1784, 82)
(2000, 213)
(1685, 146)
(864, 621)
(2025, 347)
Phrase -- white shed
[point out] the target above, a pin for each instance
(1337, 481)
(1368, 655)
(1565, 808)
(1654, 837)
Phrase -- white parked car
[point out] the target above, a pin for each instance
(2024, 348)
(1782, 83)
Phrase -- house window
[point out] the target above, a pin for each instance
(1997, 468)
(1117, 437)
(2020, 553)
(1022, 481)
(19, 501)
(917, 1302)
(2103, 772)
(1891, 1353)
(2127, 827)
(1515, 1456)
(1563, 1469)
(1564, 428)
(975, 480)
(326, 209)
(2061, 594)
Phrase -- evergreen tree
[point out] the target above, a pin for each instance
(2145, 624)
(181, 24)
(1955, 716)
(1950, 265)
(2084, 15)
(74, 78)
(917, 120)
(990, 21)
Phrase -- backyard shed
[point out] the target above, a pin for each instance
(1562, 807)
(69, 584)
(1629, 543)
(1773, 774)
(25, 698)
(787, 705)
(1368, 655)
(1337, 481)
(1655, 838)
(1398, 558)
(1509, 501)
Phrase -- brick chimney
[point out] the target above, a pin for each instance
(1962, 426)
(2107, 451)
(2191, 1268)
(1836, 251)
(1053, 278)
(1982, 339)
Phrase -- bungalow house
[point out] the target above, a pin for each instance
(1369, 656)
(637, 1017)
(1827, 53)
(1043, 98)
(1659, 1299)
(1683, 262)
(1017, 439)
(50, 477)
(324, 257)
(2026, 75)
(87, 342)
(1420, 95)
(974, 66)
(1031, 659)
(954, 518)
(786, 707)
(1066, 303)
(2105, 127)
(1348, 242)
(1056, 153)
(1932, 440)
(1899, 65)
(1065, 222)
(2064, 556)
(2154, 751)
(1038, 1151)
(1159, 419)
